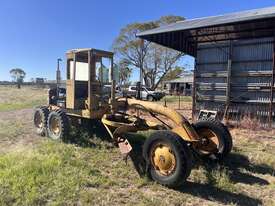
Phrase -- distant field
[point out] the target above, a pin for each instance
(89, 170)
(12, 98)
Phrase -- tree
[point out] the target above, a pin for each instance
(154, 61)
(175, 73)
(130, 48)
(18, 76)
(160, 62)
(124, 71)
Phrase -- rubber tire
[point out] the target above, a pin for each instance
(150, 98)
(44, 112)
(222, 133)
(226, 137)
(64, 125)
(183, 158)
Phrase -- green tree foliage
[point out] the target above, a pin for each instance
(175, 73)
(130, 48)
(154, 61)
(18, 76)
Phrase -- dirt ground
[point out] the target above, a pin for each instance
(247, 177)
(16, 130)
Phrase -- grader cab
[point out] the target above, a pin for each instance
(167, 152)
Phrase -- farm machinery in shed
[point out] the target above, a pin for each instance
(167, 152)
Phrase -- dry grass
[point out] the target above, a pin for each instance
(12, 98)
(88, 170)
(173, 98)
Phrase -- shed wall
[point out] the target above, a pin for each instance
(250, 80)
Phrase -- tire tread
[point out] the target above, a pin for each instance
(184, 153)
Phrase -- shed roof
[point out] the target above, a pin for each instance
(182, 35)
(82, 53)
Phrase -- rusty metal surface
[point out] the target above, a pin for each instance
(251, 72)
(272, 87)
(124, 146)
(184, 35)
(262, 13)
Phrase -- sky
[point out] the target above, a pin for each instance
(34, 33)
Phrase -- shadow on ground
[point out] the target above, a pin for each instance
(235, 164)
(212, 193)
(86, 133)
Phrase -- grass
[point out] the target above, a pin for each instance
(17, 106)
(176, 98)
(56, 173)
(10, 129)
(89, 170)
(12, 98)
(52, 173)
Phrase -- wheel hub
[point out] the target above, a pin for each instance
(163, 159)
(55, 126)
(204, 141)
(209, 142)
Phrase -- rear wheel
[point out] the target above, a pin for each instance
(215, 138)
(40, 118)
(168, 157)
(57, 125)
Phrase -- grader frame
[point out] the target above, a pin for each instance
(92, 107)
(167, 152)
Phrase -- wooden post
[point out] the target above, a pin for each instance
(272, 87)
(228, 86)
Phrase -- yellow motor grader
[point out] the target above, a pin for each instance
(167, 152)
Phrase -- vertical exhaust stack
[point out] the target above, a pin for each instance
(58, 77)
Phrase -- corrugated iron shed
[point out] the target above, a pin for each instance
(214, 20)
(183, 35)
(235, 61)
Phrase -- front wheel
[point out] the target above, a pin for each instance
(168, 158)
(215, 138)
